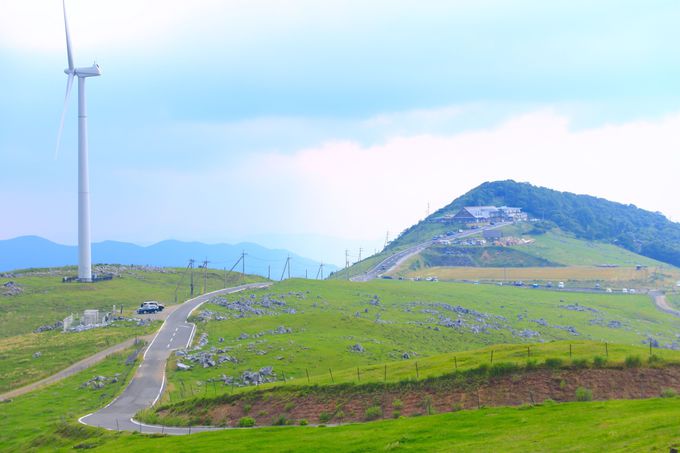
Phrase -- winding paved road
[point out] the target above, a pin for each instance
(392, 262)
(148, 383)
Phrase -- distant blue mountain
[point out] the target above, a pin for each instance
(33, 251)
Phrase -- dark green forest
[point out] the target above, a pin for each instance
(647, 233)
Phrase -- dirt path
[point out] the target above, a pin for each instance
(662, 304)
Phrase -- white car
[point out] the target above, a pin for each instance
(609, 290)
(624, 290)
(560, 285)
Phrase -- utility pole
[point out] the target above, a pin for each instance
(360, 250)
(320, 271)
(347, 263)
(286, 266)
(205, 275)
(306, 273)
(179, 281)
(225, 277)
(243, 264)
(387, 238)
(269, 272)
(191, 266)
(428, 210)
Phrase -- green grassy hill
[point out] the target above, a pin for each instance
(323, 322)
(593, 219)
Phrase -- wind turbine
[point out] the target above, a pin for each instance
(84, 249)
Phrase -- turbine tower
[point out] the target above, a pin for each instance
(84, 249)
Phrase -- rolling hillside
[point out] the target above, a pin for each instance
(582, 217)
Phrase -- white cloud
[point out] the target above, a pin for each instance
(344, 189)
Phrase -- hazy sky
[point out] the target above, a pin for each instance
(322, 125)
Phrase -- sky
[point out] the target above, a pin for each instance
(325, 126)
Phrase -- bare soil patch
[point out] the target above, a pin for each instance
(318, 405)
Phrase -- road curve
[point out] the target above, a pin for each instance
(659, 299)
(148, 383)
(392, 262)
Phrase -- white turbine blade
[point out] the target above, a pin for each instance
(69, 84)
(68, 39)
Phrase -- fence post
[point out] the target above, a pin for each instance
(283, 374)
(331, 373)
(455, 362)
(358, 377)
(528, 352)
(650, 347)
(606, 350)
(385, 373)
(492, 357)
(417, 373)
(307, 371)
(570, 350)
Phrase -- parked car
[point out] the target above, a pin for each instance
(150, 306)
(624, 290)
(609, 290)
(560, 285)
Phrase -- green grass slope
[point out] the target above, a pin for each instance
(643, 425)
(410, 317)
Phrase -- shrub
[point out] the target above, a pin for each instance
(531, 365)
(669, 393)
(584, 394)
(396, 414)
(654, 359)
(427, 405)
(303, 422)
(633, 361)
(397, 404)
(553, 362)
(262, 414)
(373, 412)
(599, 361)
(279, 421)
(340, 415)
(579, 363)
(246, 408)
(563, 384)
(325, 417)
(502, 369)
(246, 422)
(455, 407)
(289, 406)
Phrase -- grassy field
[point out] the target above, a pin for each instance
(411, 317)
(46, 419)
(579, 276)
(641, 425)
(57, 351)
(45, 299)
(562, 248)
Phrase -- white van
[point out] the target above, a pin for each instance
(560, 285)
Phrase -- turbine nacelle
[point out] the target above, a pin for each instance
(91, 71)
